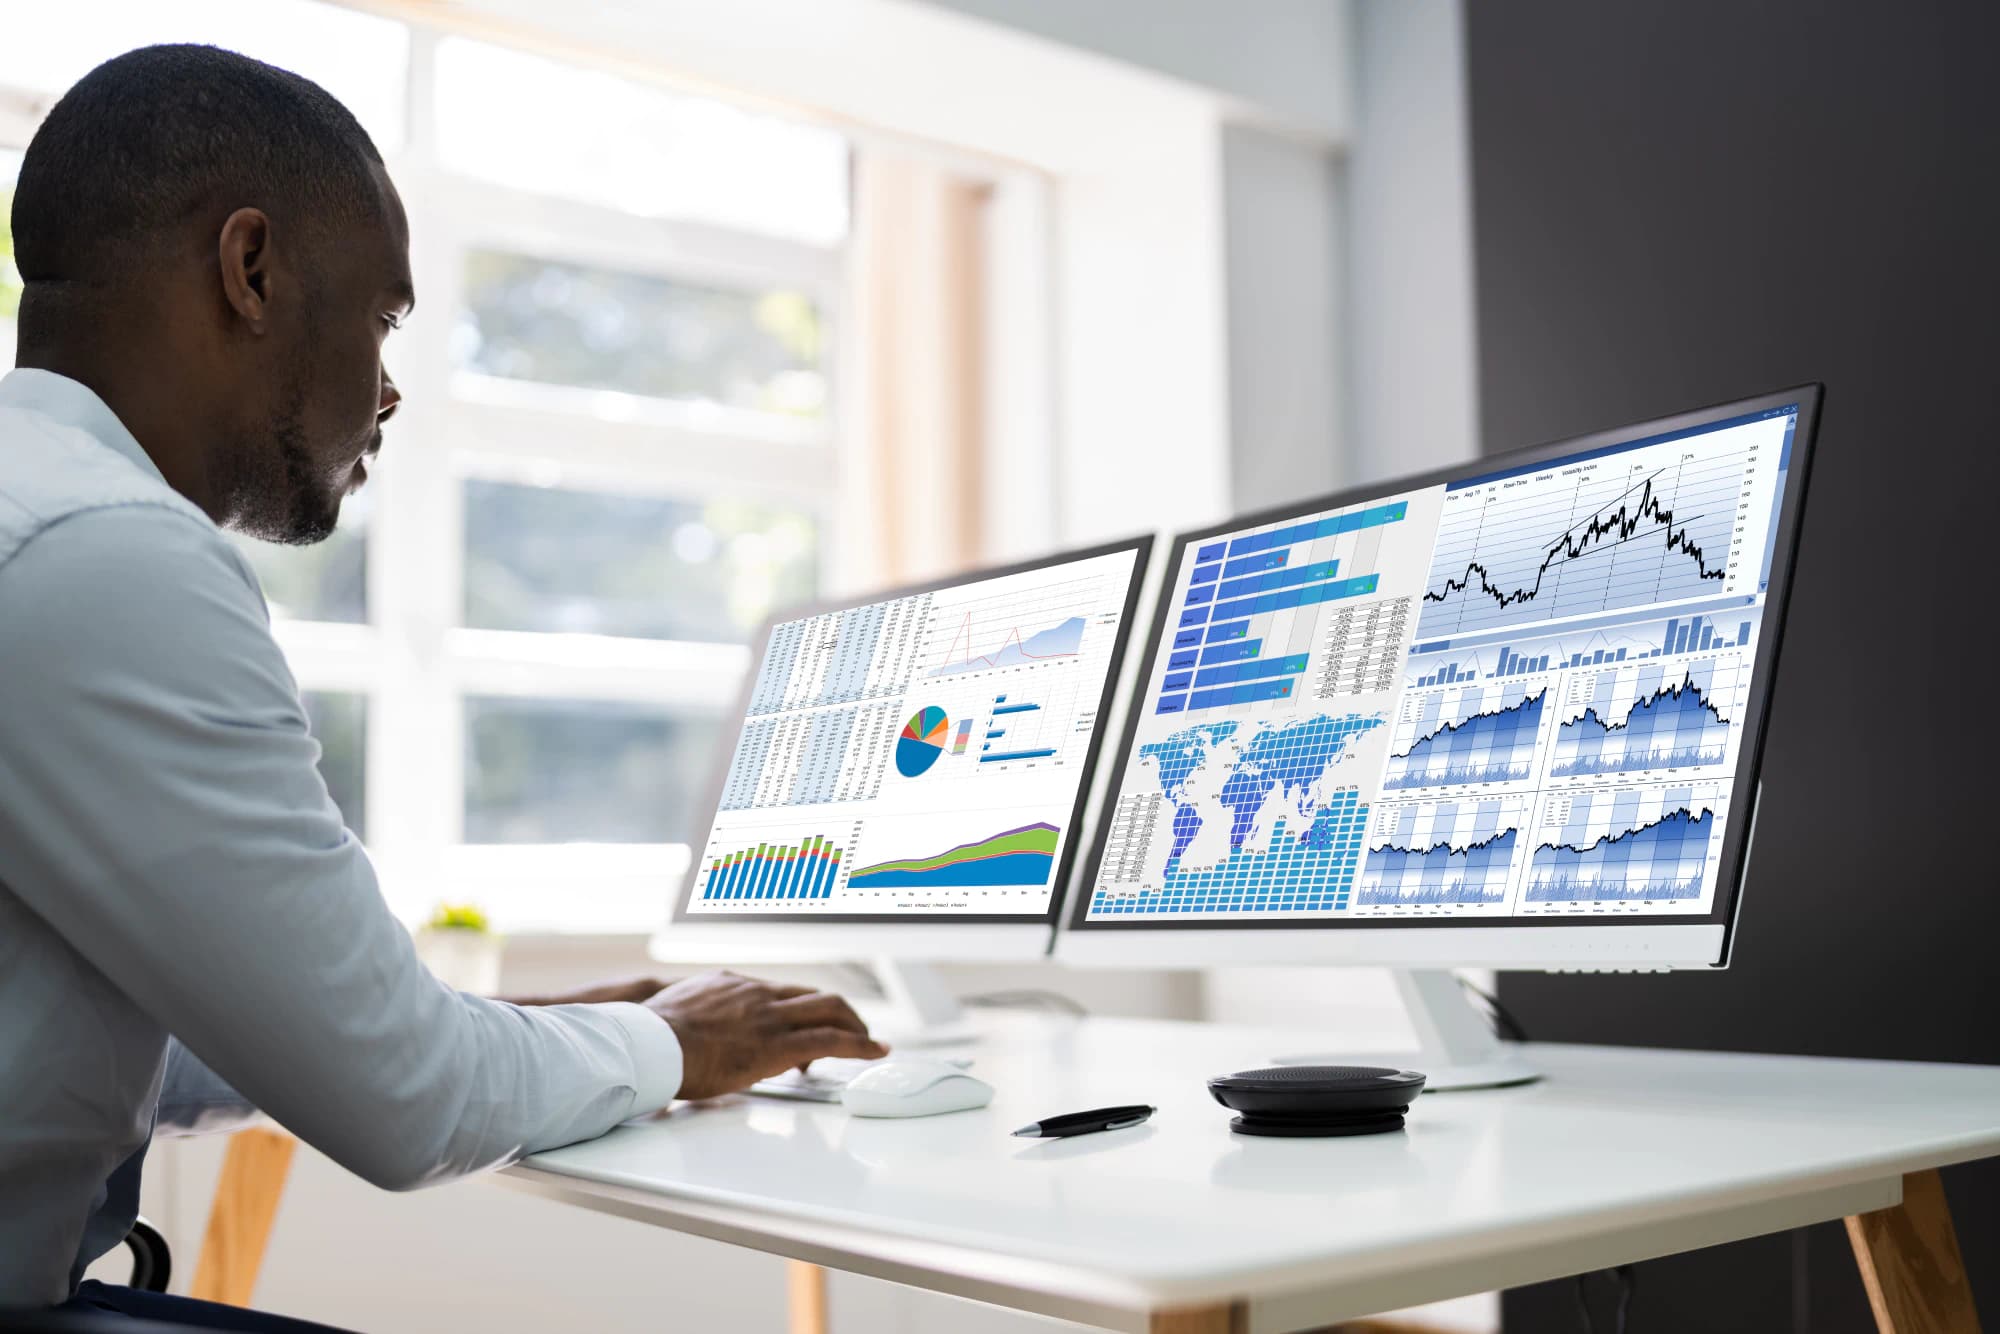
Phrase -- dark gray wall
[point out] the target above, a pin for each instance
(1676, 203)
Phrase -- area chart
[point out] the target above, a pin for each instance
(1442, 853)
(1023, 856)
(1623, 847)
(1448, 743)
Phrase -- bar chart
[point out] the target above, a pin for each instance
(1456, 661)
(1220, 651)
(807, 868)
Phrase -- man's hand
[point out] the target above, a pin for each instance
(736, 1030)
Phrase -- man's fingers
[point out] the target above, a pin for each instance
(818, 1010)
(789, 992)
(809, 1044)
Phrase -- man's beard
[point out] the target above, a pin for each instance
(279, 495)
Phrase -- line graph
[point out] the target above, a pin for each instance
(1058, 641)
(1626, 528)
(1631, 846)
(1028, 622)
(1656, 716)
(1441, 853)
(1466, 734)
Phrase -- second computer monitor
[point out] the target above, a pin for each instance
(911, 769)
(1506, 714)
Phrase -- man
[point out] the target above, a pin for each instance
(212, 256)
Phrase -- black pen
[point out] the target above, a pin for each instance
(1085, 1123)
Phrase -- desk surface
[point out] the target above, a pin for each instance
(1618, 1155)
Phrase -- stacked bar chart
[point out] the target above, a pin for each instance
(998, 747)
(804, 870)
(1218, 655)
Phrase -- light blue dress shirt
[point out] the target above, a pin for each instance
(173, 872)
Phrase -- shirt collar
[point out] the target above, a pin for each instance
(74, 404)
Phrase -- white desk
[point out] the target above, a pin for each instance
(1619, 1155)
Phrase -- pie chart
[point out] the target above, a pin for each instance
(922, 741)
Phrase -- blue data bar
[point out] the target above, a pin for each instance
(1236, 652)
(1309, 596)
(1219, 634)
(1318, 528)
(1014, 708)
(1264, 583)
(1250, 671)
(1258, 563)
(1016, 755)
(1250, 692)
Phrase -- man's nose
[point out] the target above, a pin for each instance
(392, 398)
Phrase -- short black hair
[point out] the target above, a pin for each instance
(154, 137)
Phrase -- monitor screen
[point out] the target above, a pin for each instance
(1528, 689)
(921, 755)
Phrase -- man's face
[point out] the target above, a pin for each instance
(332, 395)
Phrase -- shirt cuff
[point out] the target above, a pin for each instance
(656, 1056)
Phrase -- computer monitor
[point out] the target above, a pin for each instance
(1507, 714)
(908, 778)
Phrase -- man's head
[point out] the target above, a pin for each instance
(213, 245)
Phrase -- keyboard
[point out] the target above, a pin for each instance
(823, 1080)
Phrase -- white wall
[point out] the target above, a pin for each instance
(1413, 400)
(1283, 62)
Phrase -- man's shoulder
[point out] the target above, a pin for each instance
(51, 472)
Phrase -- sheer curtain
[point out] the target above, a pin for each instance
(915, 433)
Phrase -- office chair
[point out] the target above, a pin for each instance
(152, 1268)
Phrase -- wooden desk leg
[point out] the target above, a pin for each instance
(806, 1284)
(1910, 1263)
(239, 1221)
(1231, 1318)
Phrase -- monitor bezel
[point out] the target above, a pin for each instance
(1736, 836)
(1141, 546)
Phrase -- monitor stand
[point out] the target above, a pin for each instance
(1456, 1046)
(922, 1012)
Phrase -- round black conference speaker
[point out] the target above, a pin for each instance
(1305, 1101)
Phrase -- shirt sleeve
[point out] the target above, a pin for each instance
(167, 818)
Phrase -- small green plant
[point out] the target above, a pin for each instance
(457, 917)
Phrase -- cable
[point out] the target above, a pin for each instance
(1628, 1283)
(1504, 1023)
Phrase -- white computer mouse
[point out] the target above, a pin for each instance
(914, 1086)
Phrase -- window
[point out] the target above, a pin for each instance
(340, 722)
(613, 461)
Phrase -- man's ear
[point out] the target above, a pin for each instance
(244, 249)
